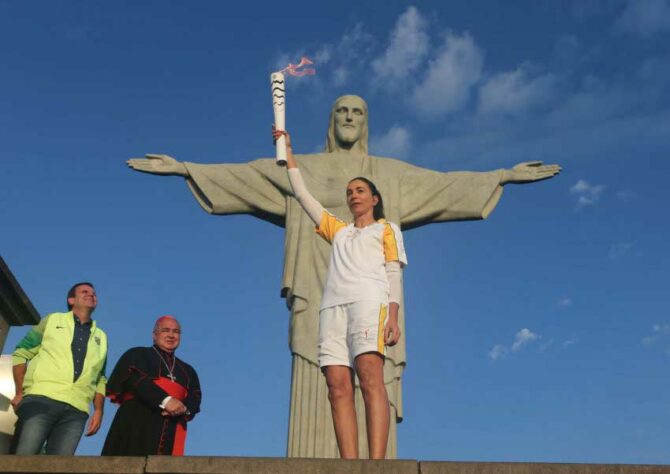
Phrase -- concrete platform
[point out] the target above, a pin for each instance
(235, 465)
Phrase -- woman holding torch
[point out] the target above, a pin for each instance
(359, 309)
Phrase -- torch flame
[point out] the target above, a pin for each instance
(294, 69)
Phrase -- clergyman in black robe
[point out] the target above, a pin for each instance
(158, 394)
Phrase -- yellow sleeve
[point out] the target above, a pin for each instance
(329, 226)
(393, 246)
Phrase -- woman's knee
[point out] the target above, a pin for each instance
(370, 370)
(340, 384)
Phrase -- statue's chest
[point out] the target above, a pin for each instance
(327, 180)
(333, 195)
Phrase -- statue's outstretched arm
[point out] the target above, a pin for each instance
(258, 187)
(158, 164)
(528, 172)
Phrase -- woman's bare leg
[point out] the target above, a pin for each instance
(370, 370)
(340, 380)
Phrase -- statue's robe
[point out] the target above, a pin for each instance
(413, 197)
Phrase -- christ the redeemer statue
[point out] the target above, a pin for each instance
(413, 197)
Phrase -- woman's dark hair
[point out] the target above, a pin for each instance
(70, 294)
(378, 211)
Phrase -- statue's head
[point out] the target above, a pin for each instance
(348, 125)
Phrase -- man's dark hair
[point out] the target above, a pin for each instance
(378, 210)
(70, 294)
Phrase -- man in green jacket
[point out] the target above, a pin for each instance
(59, 368)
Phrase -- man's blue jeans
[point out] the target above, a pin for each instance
(43, 420)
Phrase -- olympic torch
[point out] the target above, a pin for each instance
(278, 88)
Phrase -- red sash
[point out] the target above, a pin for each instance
(177, 391)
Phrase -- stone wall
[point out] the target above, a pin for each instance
(233, 465)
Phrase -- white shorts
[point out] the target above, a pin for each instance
(348, 330)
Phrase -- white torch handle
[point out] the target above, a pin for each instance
(278, 89)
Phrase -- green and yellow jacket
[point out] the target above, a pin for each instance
(48, 350)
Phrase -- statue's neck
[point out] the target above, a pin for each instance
(350, 162)
(350, 154)
(355, 148)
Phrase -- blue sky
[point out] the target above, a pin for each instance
(540, 334)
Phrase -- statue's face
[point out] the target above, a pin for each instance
(349, 120)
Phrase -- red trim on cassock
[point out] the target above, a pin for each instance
(175, 390)
(119, 398)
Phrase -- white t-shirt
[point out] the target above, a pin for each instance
(357, 261)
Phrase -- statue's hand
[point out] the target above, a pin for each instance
(530, 171)
(158, 164)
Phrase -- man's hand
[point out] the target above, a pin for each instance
(94, 422)
(16, 400)
(158, 164)
(530, 171)
(174, 407)
(18, 373)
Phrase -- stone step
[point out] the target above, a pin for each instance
(235, 465)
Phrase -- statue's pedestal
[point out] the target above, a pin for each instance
(233, 465)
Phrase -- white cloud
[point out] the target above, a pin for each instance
(452, 73)
(619, 250)
(565, 302)
(655, 70)
(336, 63)
(340, 76)
(569, 342)
(587, 194)
(644, 18)
(597, 117)
(406, 50)
(659, 332)
(516, 92)
(546, 345)
(396, 142)
(497, 352)
(523, 337)
(662, 328)
(323, 55)
(649, 340)
(353, 50)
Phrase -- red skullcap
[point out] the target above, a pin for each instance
(163, 318)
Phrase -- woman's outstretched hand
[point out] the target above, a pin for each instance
(276, 134)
